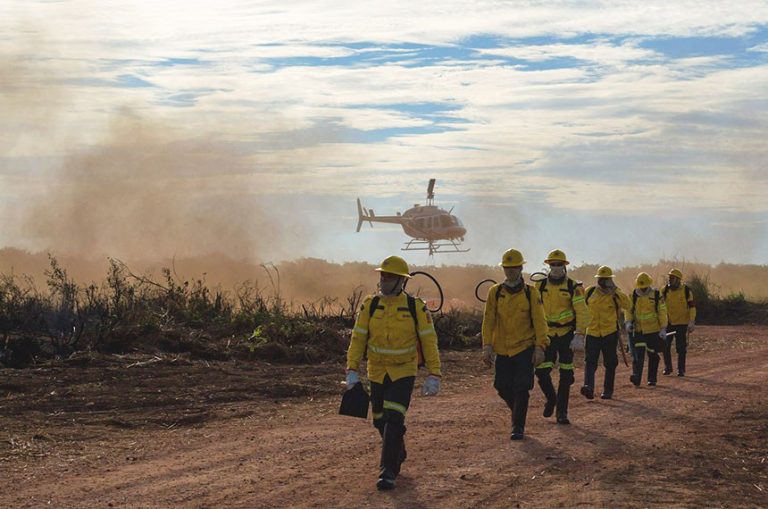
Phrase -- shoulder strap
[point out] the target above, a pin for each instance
(527, 289)
(666, 291)
(412, 311)
(590, 291)
(571, 287)
(374, 305)
(687, 292)
(543, 285)
(657, 298)
(498, 291)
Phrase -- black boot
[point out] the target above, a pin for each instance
(391, 451)
(519, 415)
(608, 382)
(563, 394)
(588, 392)
(545, 382)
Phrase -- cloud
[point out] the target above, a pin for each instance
(581, 106)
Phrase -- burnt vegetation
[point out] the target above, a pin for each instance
(128, 312)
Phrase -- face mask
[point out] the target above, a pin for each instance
(557, 272)
(391, 286)
(674, 284)
(606, 284)
(513, 274)
(644, 291)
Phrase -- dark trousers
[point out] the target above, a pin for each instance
(513, 381)
(681, 346)
(642, 343)
(389, 403)
(593, 348)
(559, 347)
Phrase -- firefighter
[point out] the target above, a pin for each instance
(681, 312)
(396, 329)
(567, 318)
(646, 323)
(605, 302)
(515, 333)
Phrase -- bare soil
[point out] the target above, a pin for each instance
(168, 431)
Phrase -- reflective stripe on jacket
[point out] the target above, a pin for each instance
(564, 312)
(390, 336)
(648, 312)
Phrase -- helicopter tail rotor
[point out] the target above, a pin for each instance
(363, 214)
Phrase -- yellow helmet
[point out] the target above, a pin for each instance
(512, 258)
(605, 271)
(394, 265)
(677, 273)
(556, 256)
(643, 280)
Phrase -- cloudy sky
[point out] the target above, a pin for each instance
(619, 131)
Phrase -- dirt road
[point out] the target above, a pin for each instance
(698, 441)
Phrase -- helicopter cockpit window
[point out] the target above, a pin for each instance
(420, 223)
(445, 221)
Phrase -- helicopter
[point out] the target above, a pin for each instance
(432, 229)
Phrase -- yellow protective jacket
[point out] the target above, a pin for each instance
(564, 306)
(604, 310)
(390, 337)
(513, 322)
(648, 312)
(681, 307)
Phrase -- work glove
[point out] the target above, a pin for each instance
(663, 333)
(691, 326)
(538, 356)
(577, 343)
(431, 386)
(352, 378)
(488, 355)
(629, 326)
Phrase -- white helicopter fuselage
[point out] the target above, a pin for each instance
(429, 222)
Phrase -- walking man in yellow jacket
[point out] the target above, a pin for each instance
(646, 322)
(515, 333)
(681, 311)
(395, 328)
(605, 302)
(567, 318)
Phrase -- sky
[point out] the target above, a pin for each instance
(622, 132)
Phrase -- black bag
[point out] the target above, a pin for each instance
(355, 402)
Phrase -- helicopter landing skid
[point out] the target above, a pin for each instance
(449, 246)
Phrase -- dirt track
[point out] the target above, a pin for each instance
(182, 434)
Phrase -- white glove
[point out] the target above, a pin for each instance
(663, 333)
(629, 326)
(431, 386)
(488, 355)
(538, 356)
(578, 342)
(352, 378)
(691, 326)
